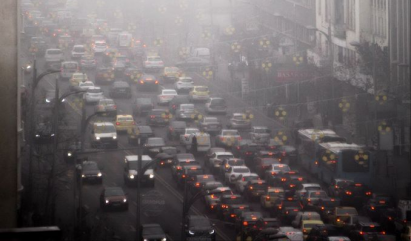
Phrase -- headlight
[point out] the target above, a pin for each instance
(212, 231)
(106, 201)
(37, 135)
(63, 100)
(145, 239)
(151, 175)
(47, 100)
(131, 176)
(82, 175)
(97, 138)
(191, 232)
(52, 135)
(99, 174)
(68, 153)
(28, 67)
(124, 200)
(114, 137)
(163, 239)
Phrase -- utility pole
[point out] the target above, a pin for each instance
(139, 176)
(31, 132)
(330, 46)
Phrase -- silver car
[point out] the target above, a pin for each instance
(260, 134)
(93, 95)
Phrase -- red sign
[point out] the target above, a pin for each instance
(293, 75)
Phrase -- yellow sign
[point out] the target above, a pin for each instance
(208, 73)
(281, 138)
(158, 42)
(344, 105)
(383, 128)
(266, 65)
(230, 30)
(381, 98)
(236, 47)
(264, 42)
(178, 20)
(280, 113)
(298, 59)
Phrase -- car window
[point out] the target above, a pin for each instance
(95, 91)
(224, 156)
(114, 192)
(144, 101)
(235, 162)
(169, 92)
(154, 58)
(187, 107)
(202, 89)
(104, 129)
(241, 170)
(155, 141)
(210, 119)
(261, 131)
(318, 195)
(231, 133)
(250, 178)
(192, 131)
(79, 49)
(282, 168)
(54, 51)
(218, 102)
(125, 118)
(69, 65)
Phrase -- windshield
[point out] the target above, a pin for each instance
(152, 231)
(100, 44)
(154, 58)
(128, 118)
(236, 162)
(104, 129)
(346, 211)
(54, 52)
(318, 195)
(95, 91)
(210, 120)
(70, 65)
(309, 225)
(114, 192)
(201, 89)
(371, 229)
(187, 107)
(282, 168)
(231, 133)
(224, 156)
(90, 166)
(241, 170)
(262, 131)
(155, 142)
(106, 102)
(250, 178)
(169, 92)
(79, 49)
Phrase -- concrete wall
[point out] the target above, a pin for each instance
(8, 110)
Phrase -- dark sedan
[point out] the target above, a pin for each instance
(120, 89)
(142, 106)
(152, 232)
(210, 125)
(166, 156)
(113, 197)
(153, 145)
(142, 132)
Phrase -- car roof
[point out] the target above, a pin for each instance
(310, 221)
(103, 124)
(124, 116)
(223, 153)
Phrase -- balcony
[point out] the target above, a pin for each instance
(339, 31)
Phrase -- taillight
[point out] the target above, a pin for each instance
(141, 82)
(197, 184)
(174, 106)
(152, 116)
(368, 193)
(183, 176)
(117, 123)
(221, 138)
(267, 198)
(239, 138)
(348, 193)
(232, 215)
(156, 82)
(114, 106)
(245, 223)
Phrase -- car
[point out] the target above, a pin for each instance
(324, 232)
(120, 63)
(76, 79)
(148, 82)
(216, 105)
(132, 75)
(307, 225)
(325, 207)
(199, 226)
(120, 89)
(44, 133)
(305, 187)
(177, 101)
(78, 51)
(104, 75)
(216, 160)
(90, 172)
(355, 194)
(227, 138)
(70, 153)
(186, 112)
(158, 117)
(87, 62)
(50, 99)
(238, 121)
(166, 156)
(153, 63)
(229, 162)
(84, 86)
(113, 197)
(106, 107)
(199, 93)
(210, 124)
(263, 164)
(171, 73)
(282, 203)
(376, 205)
(311, 198)
(209, 186)
(246, 222)
(254, 189)
(301, 216)
(343, 216)
(240, 184)
(246, 150)
(67, 69)
(233, 173)
(226, 201)
(140, 131)
(212, 197)
(275, 170)
(365, 230)
(337, 186)
(153, 145)
(175, 129)
(287, 210)
(142, 106)
(53, 57)
(197, 182)
(260, 134)
(131, 171)
(234, 211)
(93, 95)
(124, 123)
(184, 84)
(100, 47)
(187, 135)
(180, 160)
(166, 96)
(288, 154)
(187, 172)
(39, 43)
(288, 180)
(152, 232)
(103, 134)
(270, 197)
(193, 63)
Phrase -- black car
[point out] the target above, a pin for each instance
(254, 189)
(113, 197)
(326, 207)
(355, 194)
(187, 173)
(120, 89)
(175, 103)
(90, 172)
(142, 106)
(70, 153)
(377, 205)
(153, 145)
(152, 232)
(323, 231)
(199, 226)
(44, 133)
(104, 75)
(142, 132)
(50, 100)
(132, 75)
(159, 117)
(166, 156)
(180, 160)
(147, 82)
(247, 150)
(210, 124)
(175, 129)
(246, 223)
(226, 201)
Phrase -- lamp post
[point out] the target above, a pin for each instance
(328, 35)
(35, 80)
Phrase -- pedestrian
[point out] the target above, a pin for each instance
(194, 145)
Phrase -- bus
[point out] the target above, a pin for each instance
(307, 145)
(345, 161)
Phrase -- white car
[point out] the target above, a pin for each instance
(53, 56)
(100, 47)
(85, 85)
(185, 111)
(153, 63)
(185, 139)
(93, 95)
(233, 173)
(260, 134)
(216, 160)
(184, 84)
(276, 169)
(166, 96)
(305, 187)
(240, 184)
(78, 51)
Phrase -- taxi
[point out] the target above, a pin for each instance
(76, 78)
(272, 194)
(125, 123)
(200, 93)
(171, 73)
(307, 225)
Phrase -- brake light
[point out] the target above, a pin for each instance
(383, 232)
(358, 184)
(322, 208)
(254, 218)
(183, 176)
(361, 233)
(245, 223)
(221, 138)
(304, 230)
(283, 153)
(232, 215)
(239, 138)
(233, 197)
(368, 193)
(267, 198)
(348, 193)
(238, 148)
(292, 185)
(197, 184)
(133, 123)
(174, 106)
(300, 179)
(178, 168)
(142, 81)
(152, 116)
(212, 206)
(372, 208)
(283, 179)
(118, 123)
(309, 200)
(156, 82)
(280, 207)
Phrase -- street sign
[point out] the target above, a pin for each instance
(152, 203)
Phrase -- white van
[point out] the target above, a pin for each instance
(203, 53)
(68, 68)
(53, 56)
(203, 142)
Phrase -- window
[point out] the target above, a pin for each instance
(354, 161)
(350, 14)
(319, 7)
